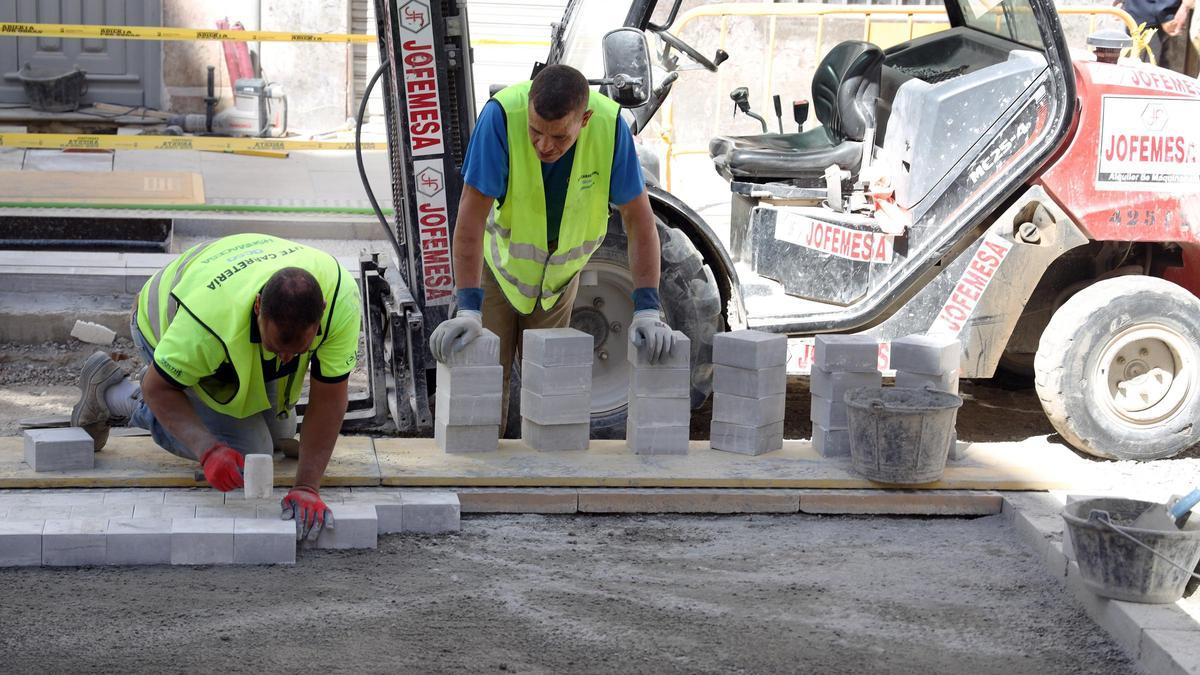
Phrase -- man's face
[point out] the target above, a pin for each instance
(272, 340)
(553, 138)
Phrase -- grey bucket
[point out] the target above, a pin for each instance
(1113, 566)
(900, 435)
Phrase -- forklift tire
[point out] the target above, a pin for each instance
(691, 303)
(1118, 369)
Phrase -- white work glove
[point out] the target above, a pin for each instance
(649, 331)
(452, 335)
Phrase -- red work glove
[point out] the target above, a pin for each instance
(304, 504)
(223, 467)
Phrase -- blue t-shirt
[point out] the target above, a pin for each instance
(485, 167)
(1153, 13)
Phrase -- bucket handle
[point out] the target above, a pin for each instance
(1101, 516)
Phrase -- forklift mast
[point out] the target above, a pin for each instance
(429, 108)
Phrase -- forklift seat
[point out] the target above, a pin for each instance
(844, 90)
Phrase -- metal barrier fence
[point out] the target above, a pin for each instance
(883, 25)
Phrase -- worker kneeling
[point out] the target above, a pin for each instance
(550, 155)
(230, 328)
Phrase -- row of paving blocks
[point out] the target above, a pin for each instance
(202, 527)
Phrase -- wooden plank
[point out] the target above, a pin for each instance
(108, 187)
(138, 462)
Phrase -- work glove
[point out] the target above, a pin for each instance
(649, 331)
(452, 335)
(304, 505)
(223, 467)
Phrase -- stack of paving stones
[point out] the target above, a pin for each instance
(749, 385)
(556, 389)
(931, 361)
(660, 401)
(469, 393)
(62, 449)
(842, 363)
(200, 527)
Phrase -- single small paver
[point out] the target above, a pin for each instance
(564, 409)
(660, 382)
(651, 439)
(829, 414)
(467, 410)
(556, 380)
(21, 543)
(138, 541)
(74, 542)
(63, 449)
(557, 347)
(464, 381)
(556, 437)
(749, 349)
(93, 333)
(657, 411)
(750, 382)
(431, 512)
(482, 351)
(354, 526)
(202, 541)
(833, 386)
(262, 541)
(748, 411)
(846, 353)
(831, 442)
(926, 354)
(259, 476)
(746, 440)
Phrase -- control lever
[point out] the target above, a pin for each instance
(779, 112)
(661, 90)
(800, 114)
(741, 101)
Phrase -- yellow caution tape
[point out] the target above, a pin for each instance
(65, 30)
(211, 143)
(68, 30)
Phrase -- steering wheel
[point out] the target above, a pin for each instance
(689, 51)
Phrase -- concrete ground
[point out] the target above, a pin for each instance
(598, 594)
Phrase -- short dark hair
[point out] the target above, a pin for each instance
(558, 91)
(292, 301)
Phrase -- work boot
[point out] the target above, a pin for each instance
(91, 413)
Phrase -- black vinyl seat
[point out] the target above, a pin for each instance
(844, 90)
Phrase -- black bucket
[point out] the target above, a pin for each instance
(1114, 565)
(53, 92)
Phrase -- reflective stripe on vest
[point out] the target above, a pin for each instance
(515, 243)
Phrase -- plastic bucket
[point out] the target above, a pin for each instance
(900, 435)
(53, 92)
(1113, 566)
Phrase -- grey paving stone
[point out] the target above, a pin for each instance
(926, 354)
(205, 496)
(62, 449)
(102, 511)
(430, 512)
(21, 543)
(258, 476)
(171, 511)
(680, 355)
(846, 353)
(134, 497)
(390, 515)
(243, 510)
(556, 380)
(750, 382)
(557, 347)
(748, 411)
(657, 440)
(466, 438)
(646, 411)
(465, 381)
(746, 440)
(661, 382)
(555, 437)
(833, 386)
(829, 414)
(750, 349)
(831, 442)
(354, 526)
(264, 542)
(944, 382)
(202, 541)
(564, 409)
(138, 541)
(39, 512)
(482, 351)
(467, 410)
(74, 542)
(274, 511)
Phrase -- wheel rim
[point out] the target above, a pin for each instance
(1145, 374)
(603, 308)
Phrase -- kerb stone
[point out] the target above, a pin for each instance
(833, 386)
(556, 380)
(751, 412)
(467, 410)
(354, 526)
(21, 543)
(74, 542)
(660, 382)
(264, 541)
(645, 411)
(746, 440)
(466, 438)
(831, 442)
(557, 347)
(138, 541)
(482, 351)
(467, 381)
(566, 409)
(657, 440)
(556, 437)
(926, 354)
(680, 355)
(431, 512)
(846, 353)
(63, 449)
(202, 541)
(750, 383)
(749, 349)
(829, 414)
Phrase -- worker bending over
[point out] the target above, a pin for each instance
(230, 328)
(550, 155)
